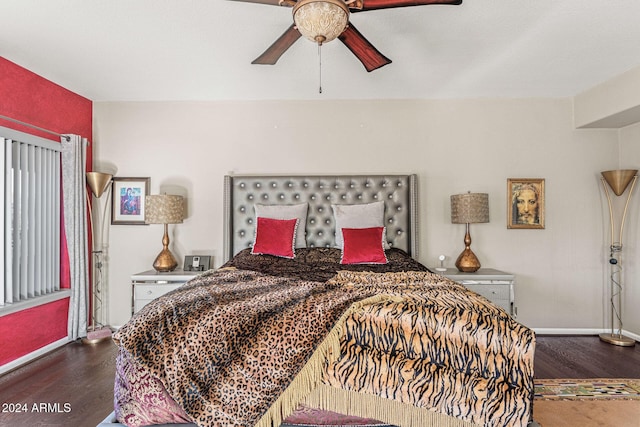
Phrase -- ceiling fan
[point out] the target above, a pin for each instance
(324, 20)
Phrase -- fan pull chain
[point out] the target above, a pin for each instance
(320, 67)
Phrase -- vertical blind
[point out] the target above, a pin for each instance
(31, 218)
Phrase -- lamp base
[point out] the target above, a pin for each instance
(468, 261)
(97, 335)
(617, 339)
(165, 261)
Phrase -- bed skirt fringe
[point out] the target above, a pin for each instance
(386, 410)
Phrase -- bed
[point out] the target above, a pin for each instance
(301, 326)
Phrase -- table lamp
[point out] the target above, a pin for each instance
(164, 209)
(469, 208)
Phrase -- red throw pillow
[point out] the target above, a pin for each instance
(275, 237)
(363, 246)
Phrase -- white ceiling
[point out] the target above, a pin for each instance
(115, 50)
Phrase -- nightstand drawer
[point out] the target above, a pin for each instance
(152, 284)
(145, 293)
(504, 304)
(495, 285)
(153, 291)
(491, 292)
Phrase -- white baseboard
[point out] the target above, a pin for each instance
(33, 355)
(580, 331)
(631, 335)
(567, 331)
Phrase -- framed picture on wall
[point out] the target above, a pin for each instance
(525, 203)
(127, 201)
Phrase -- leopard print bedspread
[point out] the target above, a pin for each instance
(228, 343)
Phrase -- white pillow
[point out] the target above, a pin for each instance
(287, 212)
(358, 216)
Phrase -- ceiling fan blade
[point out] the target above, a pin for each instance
(280, 46)
(370, 57)
(387, 4)
(287, 3)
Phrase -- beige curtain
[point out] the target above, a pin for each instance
(74, 161)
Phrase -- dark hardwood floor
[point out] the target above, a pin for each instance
(73, 386)
(584, 357)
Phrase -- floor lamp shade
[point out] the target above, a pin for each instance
(164, 209)
(619, 180)
(469, 208)
(98, 182)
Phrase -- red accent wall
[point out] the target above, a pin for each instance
(30, 98)
(46, 325)
(36, 100)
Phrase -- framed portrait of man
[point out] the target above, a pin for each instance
(525, 203)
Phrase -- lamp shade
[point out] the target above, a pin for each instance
(321, 20)
(619, 180)
(163, 209)
(98, 182)
(469, 208)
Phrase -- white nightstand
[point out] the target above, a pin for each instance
(151, 284)
(495, 285)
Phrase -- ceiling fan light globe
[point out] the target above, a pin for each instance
(321, 20)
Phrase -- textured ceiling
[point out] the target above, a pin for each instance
(142, 50)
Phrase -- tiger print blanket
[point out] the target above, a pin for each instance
(243, 348)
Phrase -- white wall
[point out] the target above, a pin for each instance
(614, 103)
(453, 145)
(630, 159)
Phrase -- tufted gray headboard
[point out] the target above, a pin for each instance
(399, 193)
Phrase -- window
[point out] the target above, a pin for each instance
(31, 217)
